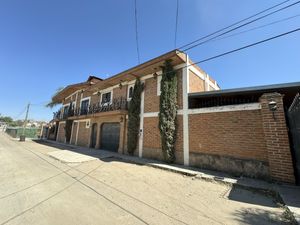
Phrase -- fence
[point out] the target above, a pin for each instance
(15, 132)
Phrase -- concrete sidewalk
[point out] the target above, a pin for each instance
(287, 194)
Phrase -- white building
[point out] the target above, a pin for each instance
(3, 126)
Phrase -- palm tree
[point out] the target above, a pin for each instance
(52, 103)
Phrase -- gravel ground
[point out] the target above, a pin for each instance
(37, 189)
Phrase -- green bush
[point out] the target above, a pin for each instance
(134, 110)
(168, 111)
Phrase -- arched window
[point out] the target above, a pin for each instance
(130, 92)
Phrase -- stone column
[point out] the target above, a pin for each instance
(277, 140)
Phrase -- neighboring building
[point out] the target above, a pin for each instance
(3, 126)
(230, 134)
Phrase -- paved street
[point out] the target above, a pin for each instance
(38, 189)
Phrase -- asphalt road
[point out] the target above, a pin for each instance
(36, 189)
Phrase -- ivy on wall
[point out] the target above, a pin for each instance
(168, 111)
(134, 110)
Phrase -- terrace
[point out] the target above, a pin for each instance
(117, 104)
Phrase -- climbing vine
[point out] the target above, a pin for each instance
(134, 110)
(168, 111)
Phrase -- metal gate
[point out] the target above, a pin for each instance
(110, 136)
(94, 135)
(294, 129)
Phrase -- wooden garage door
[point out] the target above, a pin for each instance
(110, 136)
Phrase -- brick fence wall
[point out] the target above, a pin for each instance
(277, 141)
(235, 134)
(244, 142)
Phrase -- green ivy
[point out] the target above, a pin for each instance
(168, 111)
(134, 110)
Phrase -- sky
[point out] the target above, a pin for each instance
(47, 44)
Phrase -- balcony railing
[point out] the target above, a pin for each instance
(116, 104)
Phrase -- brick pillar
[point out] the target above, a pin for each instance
(277, 141)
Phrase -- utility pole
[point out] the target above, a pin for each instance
(26, 118)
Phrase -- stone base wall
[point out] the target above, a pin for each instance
(234, 166)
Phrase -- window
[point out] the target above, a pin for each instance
(66, 111)
(158, 85)
(130, 92)
(84, 106)
(106, 98)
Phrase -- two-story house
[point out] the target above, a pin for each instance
(241, 131)
(98, 108)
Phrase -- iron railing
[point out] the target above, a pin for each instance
(116, 104)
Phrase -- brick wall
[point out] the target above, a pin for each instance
(95, 99)
(74, 132)
(237, 134)
(151, 101)
(179, 89)
(196, 84)
(118, 93)
(83, 135)
(61, 132)
(78, 99)
(152, 139)
(254, 143)
(230, 142)
(277, 141)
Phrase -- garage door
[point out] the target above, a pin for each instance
(110, 136)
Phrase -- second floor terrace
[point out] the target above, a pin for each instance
(91, 109)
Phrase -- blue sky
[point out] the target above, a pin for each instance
(47, 44)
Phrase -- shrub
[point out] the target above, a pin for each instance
(168, 111)
(134, 110)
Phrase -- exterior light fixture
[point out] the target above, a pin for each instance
(155, 75)
(273, 107)
(98, 93)
(120, 85)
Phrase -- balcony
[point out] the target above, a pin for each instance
(116, 104)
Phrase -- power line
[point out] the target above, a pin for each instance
(176, 23)
(224, 28)
(246, 46)
(136, 31)
(258, 27)
(252, 21)
(238, 49)
(20, 114)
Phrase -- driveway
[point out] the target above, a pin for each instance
(38, 189)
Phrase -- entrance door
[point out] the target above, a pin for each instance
(94, 135)
(110, 136)
(294, 129)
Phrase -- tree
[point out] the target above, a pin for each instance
(168, 111)
(53, 103)
(134, 110)
(6, 119)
